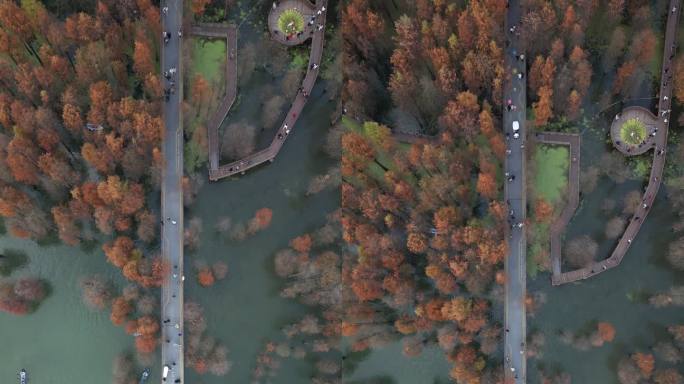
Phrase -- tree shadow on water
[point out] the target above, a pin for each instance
(10, 260)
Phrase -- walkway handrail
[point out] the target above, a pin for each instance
(656, 175)
(269, 154)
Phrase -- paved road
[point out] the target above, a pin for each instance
(514, 191)
(269, 154)
(172, 199)
(656, 176)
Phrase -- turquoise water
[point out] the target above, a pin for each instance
(63, 342)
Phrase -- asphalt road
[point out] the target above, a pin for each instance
(172, 198)
(514, 192)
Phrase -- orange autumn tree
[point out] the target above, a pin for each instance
(606, 331)
(543, 211)
(121, 308)
(147, 328)
(645, 362)
(302, 243)
(262, 219)
(205, 277)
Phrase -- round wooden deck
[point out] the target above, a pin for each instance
(645, 116)
(308, 12)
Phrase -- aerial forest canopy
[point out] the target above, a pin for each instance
(80, 128)
(425, 215)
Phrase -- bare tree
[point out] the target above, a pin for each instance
(191, 235)
(123, 370)
(291, 82)
(223, 225)
(239, 140)
(614, 227)
(580, 251)
(667, 351)
(631, 202)
(589, 179)
(628, 372)
(330, 179)
(97, 292)
(220, 270)
(273, 109)
(333, 141)
(147, 304)
(675, 254)
(246, 63)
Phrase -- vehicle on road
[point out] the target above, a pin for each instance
(516, 126)
(23, 376)
(165, 372)
(516, 135)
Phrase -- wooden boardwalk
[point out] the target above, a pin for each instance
(573, 141)
(217, 172)
(228, 32)
(414, 138)
(655, 178)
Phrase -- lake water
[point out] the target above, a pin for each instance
(606, 297)
(63, 342)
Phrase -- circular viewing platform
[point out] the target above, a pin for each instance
(633, 130)
(290, 21)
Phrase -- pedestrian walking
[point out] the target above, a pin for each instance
(165, 10)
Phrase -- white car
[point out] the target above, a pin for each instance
(165, 372)
(516, 126)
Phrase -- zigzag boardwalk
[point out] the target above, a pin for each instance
(217, 172)
(656, 176)
(558, 227)
(228, 32)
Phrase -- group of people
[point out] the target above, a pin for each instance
(169, 76)
(170, 73)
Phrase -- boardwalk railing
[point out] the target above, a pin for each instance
(573, 141)
(229, 32)
(269, 154)
(657, 167)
